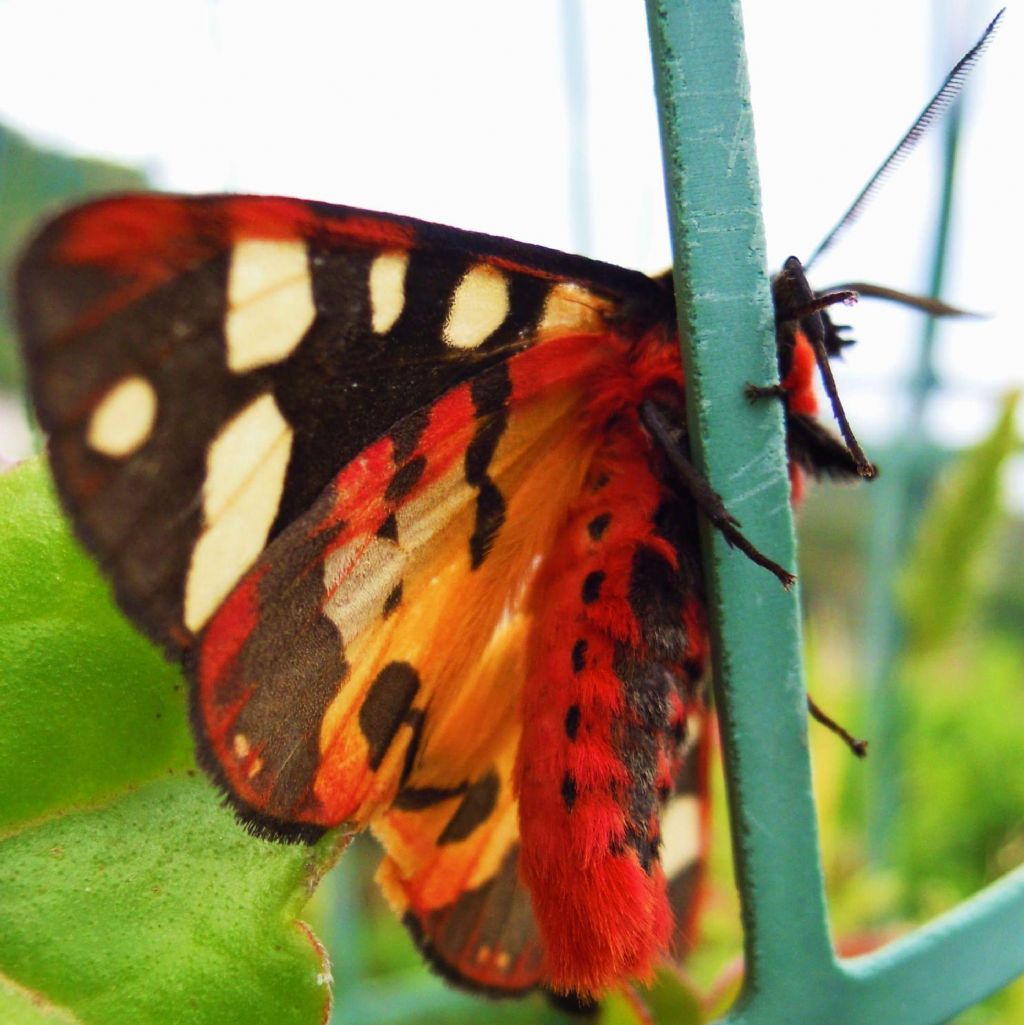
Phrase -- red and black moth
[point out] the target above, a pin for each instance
(413, 508)
(400, 499)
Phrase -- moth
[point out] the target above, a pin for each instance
(413, 508)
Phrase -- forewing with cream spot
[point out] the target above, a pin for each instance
(478, 307)
(387, 289)
(206, 365)
(245, 471)
(270, 302)
(122, 422)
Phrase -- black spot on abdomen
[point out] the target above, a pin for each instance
(598, 525)
(572, 721)
(592, 587)
(569, 790)
(579, 656)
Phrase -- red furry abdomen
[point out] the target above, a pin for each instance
(603, 703)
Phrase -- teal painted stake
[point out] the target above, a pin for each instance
(793, 976)
(727, 327)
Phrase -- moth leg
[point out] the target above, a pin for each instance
(817, 303)
(858, 747)
(756, 392)
(707, 499)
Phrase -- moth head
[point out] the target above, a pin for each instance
(806, 338)
(799, 310)
(804, 327)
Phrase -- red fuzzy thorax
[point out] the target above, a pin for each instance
(800, 399)
(799, 381)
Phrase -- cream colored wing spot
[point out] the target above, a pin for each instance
(680, 834)
(422, 518)
(387, 289)
(245, 471)
(270, 302)
(358, 576)
(478, 307)
(694, 730)
(124, 418)
(572, 308)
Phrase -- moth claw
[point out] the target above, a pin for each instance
(758, 392)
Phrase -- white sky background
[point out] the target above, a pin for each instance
(456, 111)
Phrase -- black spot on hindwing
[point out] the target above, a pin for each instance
(490, 393)
(384, 708)
(496, 917)
(415, 719)
(491, 390)
(393, 600)
(388, 530)
(419, 798)
(490, 516)
(405, 479)
(406, 434)
(473, 811)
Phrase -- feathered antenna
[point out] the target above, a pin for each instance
(939, 104)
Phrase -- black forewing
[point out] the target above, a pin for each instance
(88, 323)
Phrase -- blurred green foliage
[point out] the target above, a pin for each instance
(945, 574)
(34, 181)
(959, 678)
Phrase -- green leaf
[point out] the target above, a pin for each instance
(946, 567)
(966, 827)
(673, 1001)
(669, 1001)
(127, 892)
(37, 181)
